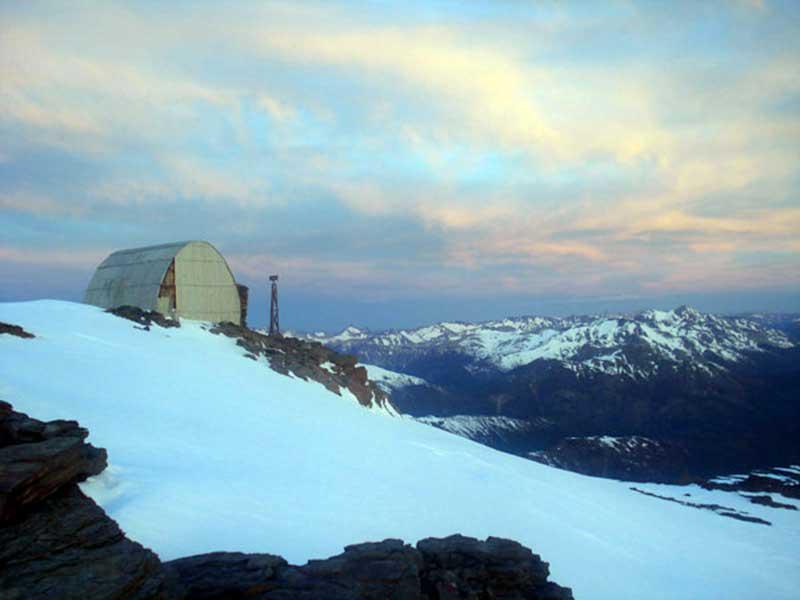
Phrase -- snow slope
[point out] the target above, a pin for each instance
(390, 380)
(211, 451)
(475, 426)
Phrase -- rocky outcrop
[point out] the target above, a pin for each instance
(443, 569)
(308, 360)
(54, 541)
(462, 567)
(15, 330)
(630, 458)
(724, 511)
(57, 543)
(227, 574)
(66, 547)
(780, 480)
(38, 459)
(145, 318)
(286, 355)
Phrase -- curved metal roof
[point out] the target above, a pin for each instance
(133, 276)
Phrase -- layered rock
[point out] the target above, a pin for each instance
(456, 567)
(54, 541)
(66, 547)
(40, 458)
(462, 567)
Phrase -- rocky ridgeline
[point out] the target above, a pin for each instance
(637, 346)
(630, 458)
(286, 355)
(55, 542)
(455, 567)
(779, 480)
(309, 360)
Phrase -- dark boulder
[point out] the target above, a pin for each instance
(373, 570)
(456, 567)
(15, 330)
(37, 459)
(228, 575)
(66, 547)
(388, 569)
(462, 567)
(54, 541)
(145, 318)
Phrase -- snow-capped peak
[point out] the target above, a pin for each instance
(636, 345)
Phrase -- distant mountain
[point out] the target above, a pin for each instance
(719, 392)
(788, 323)
(634, 345)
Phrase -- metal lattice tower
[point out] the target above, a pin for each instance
(274, 322)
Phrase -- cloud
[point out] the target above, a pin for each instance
(548, 148)
(63, 257)
(24, 202)
(493, 92)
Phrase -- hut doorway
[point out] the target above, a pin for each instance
(167, 296)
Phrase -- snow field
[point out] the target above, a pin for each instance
(212, 451)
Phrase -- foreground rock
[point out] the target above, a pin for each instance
(68, 548)
(37, 459)
(448, 568)
(56, 543)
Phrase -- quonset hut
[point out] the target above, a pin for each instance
(186, 279)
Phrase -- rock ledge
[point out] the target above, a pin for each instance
(55, 542)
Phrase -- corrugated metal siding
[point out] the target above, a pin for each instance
(205, 287)
(131, 277)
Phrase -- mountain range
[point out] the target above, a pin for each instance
(688, 394)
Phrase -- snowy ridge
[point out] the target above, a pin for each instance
(634, 345)
(788, 475)
(475, 427)
(390, 380)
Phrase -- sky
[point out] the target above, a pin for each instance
(399, 163)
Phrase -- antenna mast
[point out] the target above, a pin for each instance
(274, 323)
